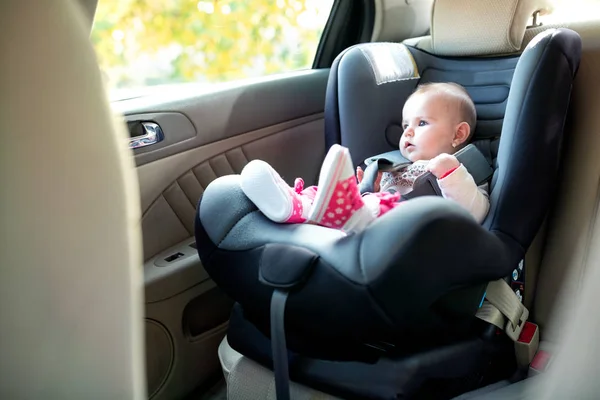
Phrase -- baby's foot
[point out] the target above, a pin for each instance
(338, 203)
(273, 197)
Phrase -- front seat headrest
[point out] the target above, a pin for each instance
(482, 27)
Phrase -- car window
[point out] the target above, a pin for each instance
(571, 11)
(149, 43)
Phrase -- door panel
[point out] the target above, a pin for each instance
(209, 133)
(222, 111)
(170, 187)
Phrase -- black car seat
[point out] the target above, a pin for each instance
(390, 311)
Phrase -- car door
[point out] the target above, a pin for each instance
(204, 88)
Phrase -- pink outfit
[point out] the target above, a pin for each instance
(338, 204)
(297, 204)
(385, 201)
(403, 182)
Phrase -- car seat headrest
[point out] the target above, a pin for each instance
(482, 27)
(402, 19)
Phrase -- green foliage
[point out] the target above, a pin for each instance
(148, 42)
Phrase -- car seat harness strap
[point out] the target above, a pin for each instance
(502, 307)
(425, 185)
(278, 345)
(299, 262)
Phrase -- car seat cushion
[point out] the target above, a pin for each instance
(359, 274)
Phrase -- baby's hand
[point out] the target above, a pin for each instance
(360, 175)
(441, 164)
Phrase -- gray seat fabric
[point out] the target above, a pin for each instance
(508, 100)
(358, 106)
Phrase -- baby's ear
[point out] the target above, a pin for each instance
(463, 132)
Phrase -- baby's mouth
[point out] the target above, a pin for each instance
(407, 145)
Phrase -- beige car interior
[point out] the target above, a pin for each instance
(101, 290)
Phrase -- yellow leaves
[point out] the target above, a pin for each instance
(143, 42)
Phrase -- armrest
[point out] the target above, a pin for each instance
(172, 271)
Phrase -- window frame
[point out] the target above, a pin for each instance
(350, 22)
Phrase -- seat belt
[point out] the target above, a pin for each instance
(503, 308)
(501, 296)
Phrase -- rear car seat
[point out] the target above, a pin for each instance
(556, 51)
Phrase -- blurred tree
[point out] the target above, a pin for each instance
(146, 42)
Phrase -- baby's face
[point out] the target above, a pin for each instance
(429, 122)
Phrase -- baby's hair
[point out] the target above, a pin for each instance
(467, 110)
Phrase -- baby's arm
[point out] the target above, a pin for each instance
(457, 184)
(460, 186)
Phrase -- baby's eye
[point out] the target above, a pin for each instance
(422, 123)
(404, 126)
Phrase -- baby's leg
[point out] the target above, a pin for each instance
(273, 197)
(338, 203)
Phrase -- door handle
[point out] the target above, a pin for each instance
(151, 134)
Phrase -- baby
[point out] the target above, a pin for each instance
(438, 120)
